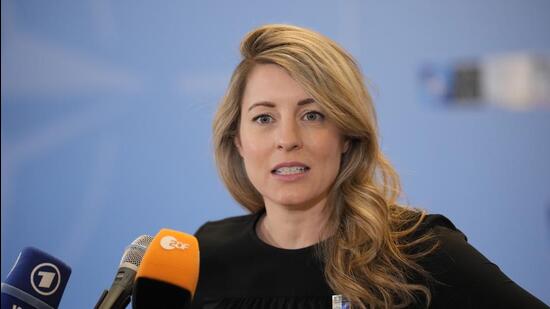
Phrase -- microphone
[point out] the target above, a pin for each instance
(118, 296)
(37, 280)
(169, 271)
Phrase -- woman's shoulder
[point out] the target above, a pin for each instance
(226, 225)
(428, 228)
(445, 238)
(440, 226)
(437, 220)
(226, 230)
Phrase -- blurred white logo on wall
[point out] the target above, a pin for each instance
(517, 81)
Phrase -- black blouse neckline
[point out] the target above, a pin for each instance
(256, 239)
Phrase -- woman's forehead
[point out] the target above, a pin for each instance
(271, 84)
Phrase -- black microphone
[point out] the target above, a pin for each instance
(36, 281)
(169, 271)
(118, 296)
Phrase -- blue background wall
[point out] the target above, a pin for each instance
(107, 109)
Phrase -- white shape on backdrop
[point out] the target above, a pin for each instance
(516, 80)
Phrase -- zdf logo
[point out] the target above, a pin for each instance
(170, 243)
(45, 278)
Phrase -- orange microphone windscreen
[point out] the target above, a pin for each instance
(172, 258)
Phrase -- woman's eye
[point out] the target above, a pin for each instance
(263, 119)
(313, 116)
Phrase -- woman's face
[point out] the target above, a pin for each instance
(291, 151)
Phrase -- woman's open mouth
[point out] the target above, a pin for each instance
(290, 170)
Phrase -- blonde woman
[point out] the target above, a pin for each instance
(296, 144)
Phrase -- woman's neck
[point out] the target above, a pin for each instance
(293, 228)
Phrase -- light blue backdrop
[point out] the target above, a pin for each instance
(107, 109)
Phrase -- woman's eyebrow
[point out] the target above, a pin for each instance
(271, 104)
(306, 101)
(262, 103)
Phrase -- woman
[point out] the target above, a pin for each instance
(296, 143)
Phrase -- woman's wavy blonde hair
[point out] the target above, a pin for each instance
(368, 259)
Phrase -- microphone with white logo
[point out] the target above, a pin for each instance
(169, 271)
(37, 280)
(119, 294)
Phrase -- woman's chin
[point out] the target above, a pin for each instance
(296, 203)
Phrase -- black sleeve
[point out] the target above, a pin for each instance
(469, 277)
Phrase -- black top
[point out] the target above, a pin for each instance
(238, 270)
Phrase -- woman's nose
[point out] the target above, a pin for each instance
(289, 136)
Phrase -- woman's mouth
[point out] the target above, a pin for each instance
(290, 170)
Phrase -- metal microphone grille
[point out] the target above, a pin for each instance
(135, 251)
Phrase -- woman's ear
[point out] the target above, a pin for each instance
(237, 143)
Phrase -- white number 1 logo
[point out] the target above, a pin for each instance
(47, 279)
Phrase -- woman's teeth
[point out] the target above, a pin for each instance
(290, 170)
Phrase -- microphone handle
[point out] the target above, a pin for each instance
(119, 294)
(101, 298)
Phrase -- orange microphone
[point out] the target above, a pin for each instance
(168, 274)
